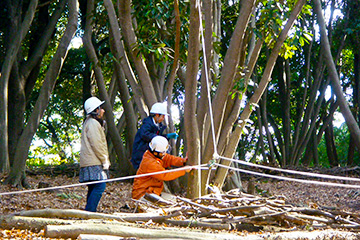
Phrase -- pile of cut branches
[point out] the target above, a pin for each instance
(233, 212)
(236, 210)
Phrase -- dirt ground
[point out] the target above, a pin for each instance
(117, 197)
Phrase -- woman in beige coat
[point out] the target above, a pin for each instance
(94, 155)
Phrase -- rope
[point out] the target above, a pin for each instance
(208, 84)
(290, 179)
(103, 181)
(292, 171)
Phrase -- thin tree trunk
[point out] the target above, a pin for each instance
(344, 107)
(122, 57)
(174, 69)
(231, 63)
(130, 41)
(330, 146)
(271, 155)
(114, 134)
(191, 125)
(235, 136)
(356, 104)
(261, 135)
(203, 103)
(17, 174)
(11, 53)
(229, 70)
(127, 102)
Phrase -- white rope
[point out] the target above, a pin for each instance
(103, 181)
(290, 179)
(292, 171)
(207, 84)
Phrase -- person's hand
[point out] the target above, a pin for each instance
(106, 166)
(191, 168)
(185, 160)
(172, 136)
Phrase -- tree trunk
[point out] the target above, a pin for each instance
(17, 174)
(127, 103)
(121, 55)
(330, 146)
(190, 123)
(344, 107)
(235, 136)
(356, 104)
(261, 135)
(131, 41)
(174, 69)
(114, 134)
(73, 231)
(25, 73)
(18, 32)
(229, 70)
(270, 156)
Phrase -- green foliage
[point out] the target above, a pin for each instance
(68, 196)
(342, 138)
(156, 28)
(59, 129)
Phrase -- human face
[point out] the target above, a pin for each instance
(101, 113)
(159, 154)
(159, 118)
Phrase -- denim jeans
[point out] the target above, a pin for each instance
(94, 194)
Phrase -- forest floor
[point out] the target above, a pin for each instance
(117, 197)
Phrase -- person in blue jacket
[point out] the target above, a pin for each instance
(151, 126)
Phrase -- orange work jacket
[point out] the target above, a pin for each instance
(155, 183)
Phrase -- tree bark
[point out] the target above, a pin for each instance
(16, 38)
(73, 231)
(17, 174)
(25, 73)
(330, 146)
(130, 41)
(174, 69)
(235, 136)
(190, 123)
(114, 134)
(229, 70)
(344, 107)
(123, 60)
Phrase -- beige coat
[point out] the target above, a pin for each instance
(94, 150)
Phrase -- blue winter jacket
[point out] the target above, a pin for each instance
(143, 137)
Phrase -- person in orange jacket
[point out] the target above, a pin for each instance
(155, 160)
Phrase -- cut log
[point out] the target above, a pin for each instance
(314, 235)
(101, 237)
(240, 209)
(34, 224)
(73, 231)
(73, 213)
(192, 223)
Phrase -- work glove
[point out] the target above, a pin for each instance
(172, 136)
(105, 174)
(106, 166)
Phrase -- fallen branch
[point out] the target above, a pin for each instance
(73, 231)
(73, 213)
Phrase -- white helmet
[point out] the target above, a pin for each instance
(91, 104)
(159, 144)
(159, 108)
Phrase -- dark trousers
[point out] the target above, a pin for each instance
(94, 194)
